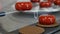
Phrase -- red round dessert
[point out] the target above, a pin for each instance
(57, 2)
(35, 0)
(46, 19)
(45, 4)
(23, 6)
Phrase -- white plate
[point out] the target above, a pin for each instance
(36, 8)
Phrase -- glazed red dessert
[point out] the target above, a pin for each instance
(57, 2)
(35, 0)
(46, 19)
(45, 4)
(23, 6)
